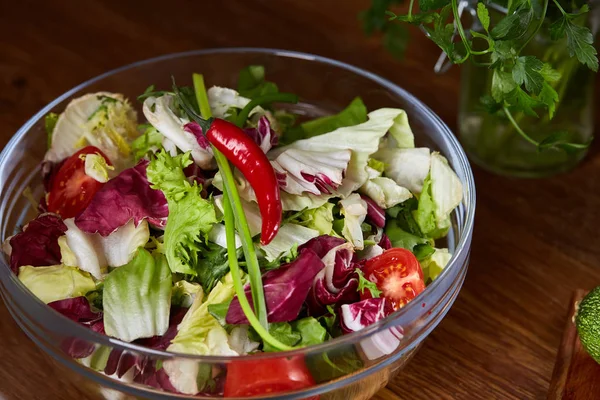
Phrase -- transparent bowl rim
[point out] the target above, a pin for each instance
(462, 247)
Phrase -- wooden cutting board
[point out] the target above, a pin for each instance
(576, 375)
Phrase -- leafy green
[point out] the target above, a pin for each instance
(484, 16)
(212, 265)
(580, 41)
(502, 84)
(283, 332)
(527, 71)
(56, 282)
(341, 361)
(404, 216)
(434, 264)
(49, 124)
(199, 332)
(513, 26)
(520, 82)
(442, 34)
(423, 250)
(184, 293)
(319, 219)
(549, 97)
(355, 113)
(252, 84)
(137, 298)
(219, 311)
(403, 239)
(303, 332)
(190, 216)
(365, 284)
(150, 92)
(425, 213)
(521, 101)
(150, 140)
(377, 165)
(310, 330)
(562, 140)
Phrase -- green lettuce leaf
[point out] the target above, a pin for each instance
(311, 331)
(407, 167)
(252, 83)
(184, 293)
(400, 238)
(56, 282)
(199, 332)
(190, 216)
(283, 332)
(137, 298)
(149, 142)
(319, 219)
(355, 113)
(434, 264)
(354, 210)
(362, 140)
(385, 192)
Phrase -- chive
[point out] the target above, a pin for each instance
(261, 100)
(237, 280)
(230, 193)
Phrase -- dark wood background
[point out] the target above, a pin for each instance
(535, 241)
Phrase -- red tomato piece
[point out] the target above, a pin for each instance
(247, 378)
(72, 190)
(398, 274)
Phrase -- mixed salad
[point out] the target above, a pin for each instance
(227, 225)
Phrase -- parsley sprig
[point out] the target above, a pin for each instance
(522, 84)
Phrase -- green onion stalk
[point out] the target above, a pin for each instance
(234, 217)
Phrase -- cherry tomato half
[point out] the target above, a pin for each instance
(247, 378)
(398, 274)
(72, 190)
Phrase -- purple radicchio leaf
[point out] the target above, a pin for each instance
(120, 362)
(147, 374)
(322, 244)
(385, 243)
(335, 284)
(357, 316)
(195, 129)
(285, 289)
(375, 214)
(78, 309)
(125, 197)
(263, 135)
(37, 245)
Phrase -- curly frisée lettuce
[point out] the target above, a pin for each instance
(137, 298)
(190, 216)
(104, 120)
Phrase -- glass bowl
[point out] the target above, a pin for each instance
(343, 368)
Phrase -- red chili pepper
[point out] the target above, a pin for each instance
(248, 157)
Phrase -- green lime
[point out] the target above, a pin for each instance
(587, 321)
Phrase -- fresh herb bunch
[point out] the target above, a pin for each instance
(521, 83)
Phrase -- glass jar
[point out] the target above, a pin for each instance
(492, 142)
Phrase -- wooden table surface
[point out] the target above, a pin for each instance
(535, 241)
